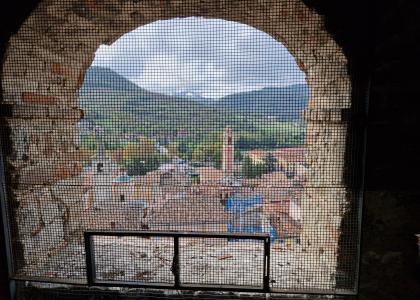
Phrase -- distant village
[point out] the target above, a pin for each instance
(180, 195)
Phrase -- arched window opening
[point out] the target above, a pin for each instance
(226, 120)
(189, 109)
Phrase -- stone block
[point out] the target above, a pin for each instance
(71, 193)
(50, 208)
(28, 216)
(38, 248)
(34, 98)
(58, 10)
(48, 172)
(13, 87)
(68, 170)
(328, 115)
(29, 111)
(93, 4)
(14, 65)
(59, 69)
(33, 111)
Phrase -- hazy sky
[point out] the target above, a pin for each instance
(208, 57)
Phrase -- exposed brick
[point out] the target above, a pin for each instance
(48, 172)
(81, 78)
(59, 69)
(79, 155)
(67, 171)
(92, 4)
(31, 111)
(48, 146)
(34, 98)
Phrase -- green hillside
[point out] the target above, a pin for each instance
(281, 103)
(121, 107)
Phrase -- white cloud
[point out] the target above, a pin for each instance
(211, 57)
(220, 90)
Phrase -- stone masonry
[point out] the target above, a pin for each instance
(44, 68)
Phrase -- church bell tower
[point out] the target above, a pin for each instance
(227, 152)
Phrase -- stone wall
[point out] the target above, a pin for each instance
(44, 67)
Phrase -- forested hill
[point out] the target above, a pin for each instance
(104, 78)
(112, 101)
(283, 103)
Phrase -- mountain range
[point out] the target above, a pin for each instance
(282, 103)
(113, 101)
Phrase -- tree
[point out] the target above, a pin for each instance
(270, 162)
(217, 158)
(173, 149)
(208, 152)
(248, 167)
(89, 142)
(146, 147)
(135, 167)
(183, 148)
(131, 151)
(142, 149)
(251, 170)
(140, 166)
(259, 170)
(198, 154)
(238, 155)
(152, 163)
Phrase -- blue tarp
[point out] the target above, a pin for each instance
(122, 179)
(231, 228)
(140, 204)
(239, 204)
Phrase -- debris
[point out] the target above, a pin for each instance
(143, 275)
(113, 274)
(138, 255)
(278, 248)
(227, 256)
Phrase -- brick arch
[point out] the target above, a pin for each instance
(44, 68)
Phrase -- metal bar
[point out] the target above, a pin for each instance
(81, 283)
(132, 284)
(6, 110)
(4, 209)
(175, 263)
(239, 235)
(323, 292)
(49, 280)
(313, 186)
(265, 237)
(91, 271)
(90, 259)
(206, 287)
(266, 279)
(361, 190)
(211, 287)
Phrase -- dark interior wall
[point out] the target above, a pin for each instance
(392, 205)
(12, 14)
(387, 43)
(380, 38)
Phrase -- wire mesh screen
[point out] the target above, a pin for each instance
(235, 119)
(241, 262)
(143, 260)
